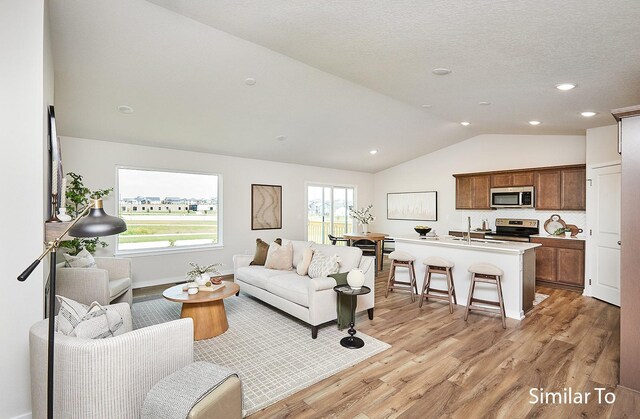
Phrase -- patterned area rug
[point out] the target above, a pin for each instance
(539, 298)
(272, 352)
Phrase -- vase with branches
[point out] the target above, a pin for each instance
(363, 216)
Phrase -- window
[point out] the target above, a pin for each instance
(188, 215)
(328, 211)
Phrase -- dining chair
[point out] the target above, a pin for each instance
(333, 239)
(369, 248)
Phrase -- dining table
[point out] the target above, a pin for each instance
(378, 238)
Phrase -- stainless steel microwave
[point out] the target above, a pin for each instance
(517, 197)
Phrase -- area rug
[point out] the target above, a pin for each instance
(539, 298)
(272, 352)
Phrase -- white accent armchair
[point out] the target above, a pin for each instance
(110, 378)
(109, 283)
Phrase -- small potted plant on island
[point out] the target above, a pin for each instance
(201, 275)
(563, 230)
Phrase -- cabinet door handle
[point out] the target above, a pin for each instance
(619, 243)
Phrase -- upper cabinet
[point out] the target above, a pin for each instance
(556, 188)
(472, 192)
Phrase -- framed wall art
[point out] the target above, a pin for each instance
(418, 206)
(266, 207)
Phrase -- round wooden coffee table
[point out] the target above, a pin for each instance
(205, 308)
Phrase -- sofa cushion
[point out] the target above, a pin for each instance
(83, 259)
(298, 249)
(290, 286)
(303, 265)
(323, 264)
(258, 276)
(280, 257)
(349, 256)
(118, 286)
(89, 322)
(262, 248)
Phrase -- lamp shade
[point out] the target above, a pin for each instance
(97, 223)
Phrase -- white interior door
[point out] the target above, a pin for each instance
(604, 225)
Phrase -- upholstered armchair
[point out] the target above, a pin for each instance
(109, 283)
(110, 378)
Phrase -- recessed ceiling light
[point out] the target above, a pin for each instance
(464, 123)
(281, 138)
(372, 152)
(588, 114)
(427, 106)
(125, 109)
(565, 86)
(483, 103)
(441, 71)
(250, 81)
(534, 122)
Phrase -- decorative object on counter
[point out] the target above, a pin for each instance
(562, 231)
(355, 279)
(363, 216)
(422, 230)
(418, 206)
(266, 207)
(554, 223)
(54, 205)
(201, 275)
(575, 230)
(62, 212)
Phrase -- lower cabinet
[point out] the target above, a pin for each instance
(560, 262)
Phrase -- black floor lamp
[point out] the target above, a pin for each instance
(92, 222)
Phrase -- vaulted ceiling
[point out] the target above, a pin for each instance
(337, 79)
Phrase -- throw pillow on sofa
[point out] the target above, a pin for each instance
(262, 248)
(279, 257)
(303, 266)
(89, 322)
(83, 259)
(323, 265)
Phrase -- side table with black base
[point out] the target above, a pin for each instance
(351, 341)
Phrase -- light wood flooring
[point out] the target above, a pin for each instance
(440, 366)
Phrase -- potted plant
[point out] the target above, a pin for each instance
(563, 230)
(77, 198)
(363, 216)
(201, 275)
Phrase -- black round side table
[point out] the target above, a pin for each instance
(351, 341)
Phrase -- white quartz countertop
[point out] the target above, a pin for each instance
(495, 246)
(551, 236)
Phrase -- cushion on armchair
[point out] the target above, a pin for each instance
(90, 322)
(83, 259)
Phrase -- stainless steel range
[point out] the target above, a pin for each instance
(514, 229)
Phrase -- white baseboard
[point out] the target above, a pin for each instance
(169, 280)
(25, 416)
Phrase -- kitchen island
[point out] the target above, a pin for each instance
(516, 259)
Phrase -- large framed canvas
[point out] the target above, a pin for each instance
(418, 206)
(266, 207)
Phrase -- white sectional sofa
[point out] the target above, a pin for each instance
(310, 300)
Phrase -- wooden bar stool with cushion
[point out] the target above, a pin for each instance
(441, 266)
(490, 274)
(403, 260)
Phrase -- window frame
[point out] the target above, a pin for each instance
(331, 185)
(168, 250)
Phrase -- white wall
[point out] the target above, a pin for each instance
(96, 161)
(602, 145)
(433, 172)
(26, 78)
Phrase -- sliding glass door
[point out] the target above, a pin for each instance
(328, 211)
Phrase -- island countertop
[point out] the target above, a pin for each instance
(486, 245)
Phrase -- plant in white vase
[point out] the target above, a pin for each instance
(363, 216)
(201, 275)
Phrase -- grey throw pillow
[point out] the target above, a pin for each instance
(323, 265)
(89, 322)
(83, 259)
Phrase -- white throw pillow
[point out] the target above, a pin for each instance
(298, 248)
(323, 265)
(279, 257)
(303, 265)
(83, 259)
(89, 322)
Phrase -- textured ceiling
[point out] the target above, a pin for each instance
(367, 73)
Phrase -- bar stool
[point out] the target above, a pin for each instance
(490, 274)
(441, 266)
(403, 260)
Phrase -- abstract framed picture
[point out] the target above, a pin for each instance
(417, 206)
(266, 207)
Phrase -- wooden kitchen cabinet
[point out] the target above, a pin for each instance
(523, 178)
(548, 190)
(573, 183)
(560, 262)
(509, 179)
(472, 192)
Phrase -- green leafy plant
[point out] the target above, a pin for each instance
(198, 270)
(560, 231)
(78, 197)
